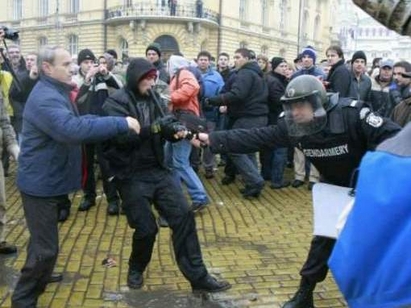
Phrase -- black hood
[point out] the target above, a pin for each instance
(137, 68)
(253, 65)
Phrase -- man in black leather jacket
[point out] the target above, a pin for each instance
(136, 166)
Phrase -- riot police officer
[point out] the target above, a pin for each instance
(334, 133)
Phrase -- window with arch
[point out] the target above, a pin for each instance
(283, 15)
(73, 44)
(283, 53)
(264, 50)
(74, 6)
(381, 30)
(359, 32)
(124, 46)
(17, 9)
(367, 32)
(318, 5)
(317, 28)
(243, 44)
(43, 8)
(42, 41)
(374, 32)
(204, 45)
(264, 13)
(243, 10)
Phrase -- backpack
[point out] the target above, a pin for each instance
(197, 74)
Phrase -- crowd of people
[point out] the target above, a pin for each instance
(137, 120)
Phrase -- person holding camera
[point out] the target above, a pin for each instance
(94, 82)
(9, 143)
(137, 167)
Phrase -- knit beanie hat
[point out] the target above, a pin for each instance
(85, 54)
(276, 61)
(309, 51)
(358, 55)
(154, 46)
(113, 53)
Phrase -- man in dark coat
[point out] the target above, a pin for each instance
(137, 167)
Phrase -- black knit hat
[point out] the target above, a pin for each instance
(154, 46)
(359, 55)
(276, 61)
(85, 54)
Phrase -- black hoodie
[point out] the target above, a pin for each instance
(130, 154)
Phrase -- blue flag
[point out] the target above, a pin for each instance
(371, 261)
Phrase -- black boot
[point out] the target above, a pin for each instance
(86, 204)
(303, 298)
(113, 208)
(210, 284)
(134, 279)
(253, 191)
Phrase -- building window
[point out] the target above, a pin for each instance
(73, 44)
(42, 41)
(124, 47)
(264, 13)
(127, 3)
(74, 6)
(367, 32)
(243, 10)
(374, 32)
(17, 9)
(359, 32)
(243, 44)
(43, 8)
(264, 50)
(318, 6)
(283, 15)
(317, 28)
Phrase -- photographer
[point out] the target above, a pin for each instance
(94, 82)
(137, 166)
(8, 141)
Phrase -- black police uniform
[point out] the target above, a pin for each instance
(136, 164)
(335, 151)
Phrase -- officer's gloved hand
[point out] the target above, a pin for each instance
(213, 101)
(168, 127)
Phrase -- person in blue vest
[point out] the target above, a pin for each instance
(371, 260)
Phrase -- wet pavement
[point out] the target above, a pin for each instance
(257, 245)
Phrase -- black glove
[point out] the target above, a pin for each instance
(167, 126)
(214, 101)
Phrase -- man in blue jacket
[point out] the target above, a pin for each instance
(50, 164)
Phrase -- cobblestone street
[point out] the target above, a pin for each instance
(258, 246)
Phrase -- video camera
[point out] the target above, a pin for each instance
(10, 34)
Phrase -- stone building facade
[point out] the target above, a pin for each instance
(271, 27)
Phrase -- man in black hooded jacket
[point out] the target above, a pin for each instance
(136, 166)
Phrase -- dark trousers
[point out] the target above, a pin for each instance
(42, 250)
(161, 189)
(90, 182)
(315, 268)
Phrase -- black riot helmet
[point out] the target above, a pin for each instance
(303, 103)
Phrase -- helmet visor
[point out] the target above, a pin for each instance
(305, 115)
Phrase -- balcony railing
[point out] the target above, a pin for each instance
(154, 10)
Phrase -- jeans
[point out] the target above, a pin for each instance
(278, 162)
(178, 158)
(246, 164)
(160, 189)
(42, 250)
